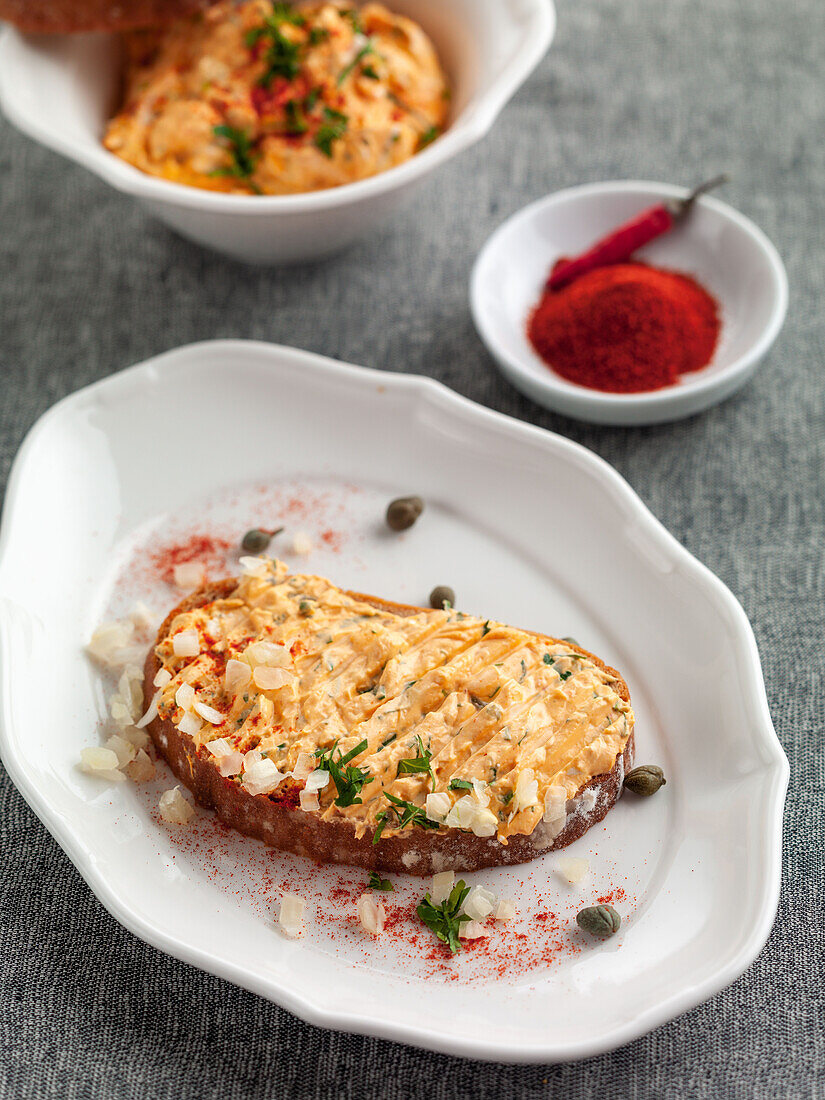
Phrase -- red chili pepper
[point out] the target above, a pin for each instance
(624, 241)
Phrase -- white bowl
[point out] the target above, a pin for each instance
(725, 251)
(61, 90)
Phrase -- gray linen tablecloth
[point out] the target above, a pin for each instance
(664, 91)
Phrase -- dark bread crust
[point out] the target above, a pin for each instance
(277, 821)
(72, 16)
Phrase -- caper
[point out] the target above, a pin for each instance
(645, 780)
(403, 512)
(599, 920)
(257, 540)
(442, 596)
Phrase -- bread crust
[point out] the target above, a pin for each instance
(276, 819)
(73, 16)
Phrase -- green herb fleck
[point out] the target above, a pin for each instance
(345, 72)
(565, 675)
(348, 779)
(318, 35)
(378, 883)
(460, 785)
(548, 660)
(427, 138)
(296, 122)
(417, 764)
(241, 151)
(369, 72)
(446, 919)
(507, 798)
(404, 813)
(334, 127)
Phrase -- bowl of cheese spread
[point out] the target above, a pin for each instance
(277, 132)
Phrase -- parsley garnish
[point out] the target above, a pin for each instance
(296, 122)
(427, 138)
(485, 629)
(405, 813)
(348, 780)
(507, 798)
(378, 883)
(416, 764)
(446, 919)
(334, 127)
(283, 56)
(369, 72)
(318, 35)
(548, 660)
(311, 99)
(565, 675)
(345, 72)
(244, 159)
(460, 785)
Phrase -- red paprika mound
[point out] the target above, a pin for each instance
(626, 328)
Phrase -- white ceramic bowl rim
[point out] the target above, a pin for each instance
(469, 127)
(699, 383)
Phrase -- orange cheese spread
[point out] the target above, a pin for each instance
(431, 716)
(256, 97)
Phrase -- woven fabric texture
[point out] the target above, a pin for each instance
(90, 284)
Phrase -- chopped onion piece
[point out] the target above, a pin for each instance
(97, 759)
(527, 791)
(268, 653)
(505, 910)
(261, 777)
(302, 544)
(219, 747)
(214, 717)
(270, 679)
(238, 676)
(189, 574)
(142, 616)
(437, 806)
(309, 801)
(442, 886)
(162, 678)
(254, 567)
(479, 903)
(555, 807)
(572, 870)
(484, 822)
(123, 750)
(231, 764)
(317, 780)
(371, 914)
(472, 930)
(304, 765)
(142, 768)
(185, 696)
(190, 724)
(186, 643)
(174, 808)
(291, 916)
(151, 713)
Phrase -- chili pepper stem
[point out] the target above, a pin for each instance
(682, 207)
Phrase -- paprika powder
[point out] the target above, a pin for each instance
(626, 328)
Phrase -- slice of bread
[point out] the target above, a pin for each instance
(72, 16)
(329, 835)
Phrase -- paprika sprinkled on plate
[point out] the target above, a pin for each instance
(626, 328)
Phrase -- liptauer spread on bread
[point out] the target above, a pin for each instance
(349, 729)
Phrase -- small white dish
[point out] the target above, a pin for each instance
(332, 444)
(721, 248)
(61, 90)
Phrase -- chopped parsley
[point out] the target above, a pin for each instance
(318, 35)
(446, 919)
(507, 798)
(333, 127)
(296, 122)
(378, 883)
(348, 779)
(427, 138)
(460, 785)
(369, 72)
(404, 814)
(243, 157)
(485, 629)
(283, 56)
(565, 675)
(354, 18)
(548, 660)
(417, 764)
(345, 72)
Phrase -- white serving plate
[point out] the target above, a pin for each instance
(716, 244)
(529, 528)
(60, 90)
